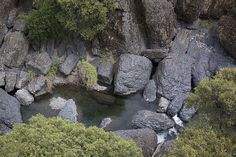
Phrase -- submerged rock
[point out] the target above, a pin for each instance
(148, 119)
(57, 103)
(24, 97)
(150, 91)
(132, 75)
(146, 139)
(69, 64)
(69, 111)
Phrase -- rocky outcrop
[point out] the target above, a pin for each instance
(14, 49)
(69, 64)
(187, 113)
(9, 109)
(24, 97)
(161, 21)
(57, 103)
(148, 119)
(150, 91)
(10, 81)
(146, 139)
(189, 10)
(69, 111)
(227, 34)
(132, 75)
(176, 104)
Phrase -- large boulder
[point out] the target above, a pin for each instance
(227, 34)
(40, 62)
(69, 111)
(69, 64)
(161, 21)
(189, 10)
(10, 81)
(133, 74)
(57, 103)
(150, 91)
(14, 49)
(9, 109)
(148, 119)
(24, 97)
(146, 139)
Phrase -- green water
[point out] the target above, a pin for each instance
(92, 107)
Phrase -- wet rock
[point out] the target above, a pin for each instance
(145, 139)
(155, 55)
(164, 148)
(69, 64)
(10, 81)
(150, 91)
(2, 78)
(227, 34)
(161, 21)
(36, 84)
(132, 75)
(3, 32)
(57, 103)
(22, 79)
(148, 119)
(105, 122)
(14, 49)
(9, 109)
(24, 97)
(163, 105)
(176, 104)
(187, 113)
(69, 111)
(4, 129)
(40, 62)
(189, 11)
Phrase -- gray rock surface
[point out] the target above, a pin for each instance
(5, 7)
(161, 21)
(69, 111)
(132, 75)
(150, 91)
(155, 55)
(187, 113)
(164, 148)
(57, 103)
(148, 119)
(2, 78)
(24, 97)
(14, 49)
(105, 122)
(22, 79)
(36, 84)
(146, 139)
(3, 32)
(9, 109)
(69, 64)
(105, 72)
(163, 105)
(19, 25)
(176, 104)
(10, 81)
(4, 129)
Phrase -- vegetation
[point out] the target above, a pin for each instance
(57, 137)
(53, 70)
(57, 18)
(32, 73)
(87, 74)
(233, 11)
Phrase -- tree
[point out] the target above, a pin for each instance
(58, 137)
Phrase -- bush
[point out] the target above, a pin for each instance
(56, 18)
(57, 137)
(216, 98)
(233, 11)
(87, 74)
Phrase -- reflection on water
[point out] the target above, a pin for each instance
(93, 107)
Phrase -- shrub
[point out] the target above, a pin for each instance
(57, 137)
(87, 74)
(233, 11)
(216, 98)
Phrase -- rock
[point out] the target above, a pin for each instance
(69, 111)
(9, 109)
(36, 84)
(12, 17)
(150, 91)
(176, 104)
(69, 64)
(227, 34)
(22, 79)
(189, 11)
(187, 113)
(105, 72)
(14, 49)
(163, 105)
(148, 119)
(105, 122)
(145, 139)
(4, 129)
(5, 7)
(99, 88)
(24, 97)
(10, 81)
(19, 25)
(155, 55)
(40, 62)
(57, 103)
(161, 21)
(164, 148)
(2, 78)
(132, 75)
(216, 8)
(3, 32)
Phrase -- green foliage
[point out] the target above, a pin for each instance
(32, 73)
(53, 70)
(53, 137)
(57, 18)
(87, 74)
(202, 141)
(216, 98)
